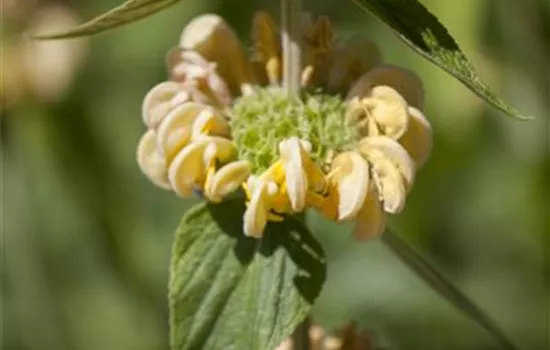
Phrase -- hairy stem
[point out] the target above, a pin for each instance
(291, 39)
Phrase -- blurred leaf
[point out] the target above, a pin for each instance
(128, 12)
(229, 291)
(439, 283)
(422, 31)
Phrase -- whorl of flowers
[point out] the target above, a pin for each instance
(350, 147)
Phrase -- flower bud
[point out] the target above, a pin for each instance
(405, 82)
(213, 38)
(267, 46)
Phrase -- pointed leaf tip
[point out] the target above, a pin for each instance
(128, 12)
(423, 32)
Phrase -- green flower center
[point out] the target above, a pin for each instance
(263, 119)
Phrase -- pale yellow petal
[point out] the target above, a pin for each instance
(296, 179)
(227, 179)
(158, 101)
(371, 219)
(175, 131)
(255, 216)
(351, 174)
(402, 80)
(150, 161)
(388, 110)
(378, 147)
(418, 139)
(187, 168)
(199, 78)
(390, 185)
(224, 149)
(214, 39)
(210, 122)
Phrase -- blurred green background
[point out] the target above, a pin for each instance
(86, 238)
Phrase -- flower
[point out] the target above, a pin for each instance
(347, 337)
(221, 123)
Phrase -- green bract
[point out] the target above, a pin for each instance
(263, 119)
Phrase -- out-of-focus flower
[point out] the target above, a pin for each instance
(213, 128)
(42, 69)
(345, 338)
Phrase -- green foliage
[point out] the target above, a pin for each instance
(263, 119)
(422, 31)
(128, 12)
(442, 285)
(228, 291)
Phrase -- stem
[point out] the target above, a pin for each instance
(443, 286)
(291, 25)
(300, 337)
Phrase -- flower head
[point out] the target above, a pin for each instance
(221, 124)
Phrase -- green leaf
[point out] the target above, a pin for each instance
(444, 287)
(128, 12)
(229, 291)
(422, 31)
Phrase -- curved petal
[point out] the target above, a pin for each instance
(175, 131)
(351, 175)
(227, 179)
(158, 101)
(382, 147)
(198, 77)
(295, 176)
(255, 216)
(214, 39)
(390, 185)
(371, 219)
(187, 168)
(150, 161)
(387, 109)
(350, 60)
(400, 79)
(418, 140)
(210, 122)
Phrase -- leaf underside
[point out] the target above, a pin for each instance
(422, 31)
(128, 12)
(228, 291)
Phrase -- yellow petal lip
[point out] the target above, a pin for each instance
(377, 147)
(402, 80)
(151, 162)
(189, 166)
(158, 101)
(352, 178)
(211, 122)
(418, 140)
(215, 40)
(291, 151)
(255, 216)
(371, 219)
(227, 180)
(175, 131)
